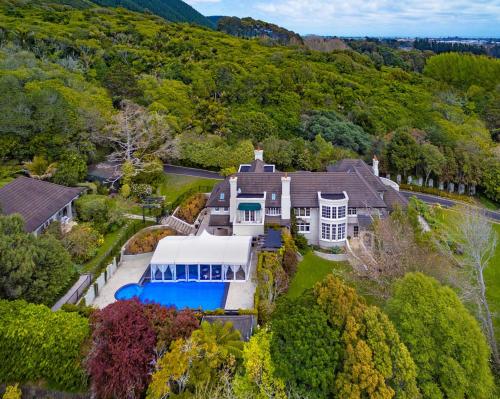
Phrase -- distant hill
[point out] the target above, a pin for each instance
(252, 28)
(325, 44)
(171, 10)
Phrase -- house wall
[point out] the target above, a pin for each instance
(248, 229)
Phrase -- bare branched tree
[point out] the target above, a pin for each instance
(394, 251)
(471, 242)
(137, 135)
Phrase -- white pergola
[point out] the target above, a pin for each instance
(203, 258)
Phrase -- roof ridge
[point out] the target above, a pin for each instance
(367, 184)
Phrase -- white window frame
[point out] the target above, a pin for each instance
(304, 227)
(273, 211)
(325, 231)
(343, 209)
(249, 216)
(352, 211)
(273, 196)
(326, 212)
(303, 212)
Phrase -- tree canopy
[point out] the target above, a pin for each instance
(445, 341)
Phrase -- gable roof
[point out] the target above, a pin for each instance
(35, 200)
(304, 187)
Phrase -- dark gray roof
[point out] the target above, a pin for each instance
(359, 166)
(365, 221)
(243, 323)
(395, 199)
(257, 166)
(35, 200)
(333, 196)
(218, 220)
(304, 188)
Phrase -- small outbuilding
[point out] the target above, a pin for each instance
(38, 202)
(203, 258)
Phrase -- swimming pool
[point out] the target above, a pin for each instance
(193, 295)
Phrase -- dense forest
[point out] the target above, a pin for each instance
(218, 95)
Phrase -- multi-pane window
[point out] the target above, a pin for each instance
(333, 232)
(341, 212)
(356, 231)
(341, 232)
(303, 227)
(303, 212)
(326, 212)
(249, 216)
(352, 211)
(325, 231)
(273, 211)
(333, 212)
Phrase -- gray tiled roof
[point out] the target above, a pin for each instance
(243, 323)
(35, 200)
(304, 188)
(360, 166)
(394, 199)
(219, 220)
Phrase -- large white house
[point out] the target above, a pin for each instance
(328, 206)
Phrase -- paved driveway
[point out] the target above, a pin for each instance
(447, 203)
(182, 170)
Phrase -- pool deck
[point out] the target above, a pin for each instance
(130, 271)
(240, 295)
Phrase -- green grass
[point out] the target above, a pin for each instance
(492, 276)
(445, 218)
(487, 203)
(176, 185)
(6, 180)
(311, 270)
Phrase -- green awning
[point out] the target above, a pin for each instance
(249, 206)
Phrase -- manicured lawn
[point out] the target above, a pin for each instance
(311, 270)
(492, 276)
(492, 273)
(176, 185)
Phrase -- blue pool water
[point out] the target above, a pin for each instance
(193, 295)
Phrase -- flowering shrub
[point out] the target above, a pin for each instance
(82, 242)
(191, 208)
(147, 241)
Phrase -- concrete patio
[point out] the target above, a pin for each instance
(130, 271)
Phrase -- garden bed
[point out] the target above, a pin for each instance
(146, 241)
(189, 210)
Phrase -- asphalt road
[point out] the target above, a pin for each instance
(445, 202)
(182, 170)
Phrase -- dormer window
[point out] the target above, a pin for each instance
(222, 196)
(273, 197)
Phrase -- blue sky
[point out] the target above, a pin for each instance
(473, 18)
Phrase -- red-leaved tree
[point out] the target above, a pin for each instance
(123, 351)
(170, 325)
(127, 338)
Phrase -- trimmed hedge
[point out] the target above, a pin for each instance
(437, 192)
(37, 344)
